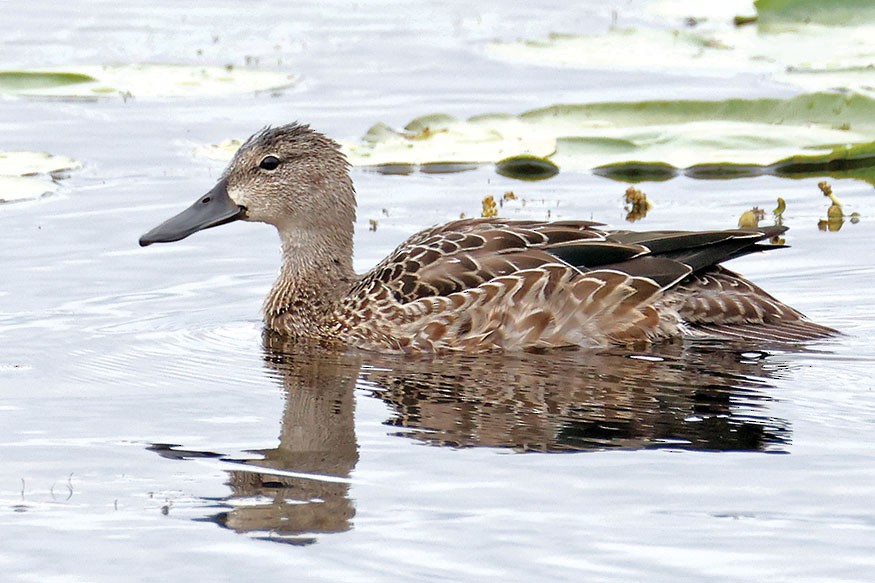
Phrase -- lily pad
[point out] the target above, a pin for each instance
(28, 175)
(140, 81)
(834, 12)
(527, 167)
(17, 188)
(673, 134)
(14, 81)
(633, 141)
(223, 151)
(848, 161)
(21, 163)
(700, 12)
(856, 161)
(793, 44)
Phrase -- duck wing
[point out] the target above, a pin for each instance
(466, 253)
(719, 303)
(484, 284)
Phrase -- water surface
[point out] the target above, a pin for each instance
(149, 432)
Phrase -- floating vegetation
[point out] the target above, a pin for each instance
(831, 224)
(636, 204)
(490, 208)
(222, 151)
(778, 212)
(842, 161)
(835, 214)
(24, 81)
(751, 218)
(423, 133)
(638, 171)
(29, 175)
(140, 81)
(855, 161)
(821, 134)
(395, 169)
(743, 20)
(808, 12)
(526, 167)
(826, 134)
(446, 167)
(794, 42)
(835, 209)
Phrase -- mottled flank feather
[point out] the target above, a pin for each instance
(479, 285)
(492, 284)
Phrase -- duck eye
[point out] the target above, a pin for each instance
(269, 163)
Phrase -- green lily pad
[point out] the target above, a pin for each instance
(527, 167)
(834, 12)
(677, 133)
(28, 175)
(847, 161)
(635, 171)
(856, 161)
(16, 81)
(631, 141)
(140, 81)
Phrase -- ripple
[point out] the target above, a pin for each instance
(226, 353)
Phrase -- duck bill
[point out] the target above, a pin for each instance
(211, 210)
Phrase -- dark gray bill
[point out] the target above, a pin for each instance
(211, 210)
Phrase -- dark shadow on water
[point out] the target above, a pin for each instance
(703, 397)
(678, 396)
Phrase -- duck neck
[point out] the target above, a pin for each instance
(316, 273)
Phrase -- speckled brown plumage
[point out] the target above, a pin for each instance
(479, 284)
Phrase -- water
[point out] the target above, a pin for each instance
(148, 431)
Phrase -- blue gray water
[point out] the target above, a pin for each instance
(148, 432)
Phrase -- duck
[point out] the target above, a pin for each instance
(478, 284)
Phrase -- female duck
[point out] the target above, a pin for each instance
(477, 284)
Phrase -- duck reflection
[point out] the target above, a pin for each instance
(317, 442)
(299, 489)
(681, 396)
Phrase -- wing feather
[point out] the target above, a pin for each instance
(483, 284)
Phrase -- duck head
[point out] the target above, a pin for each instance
(290, 176)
